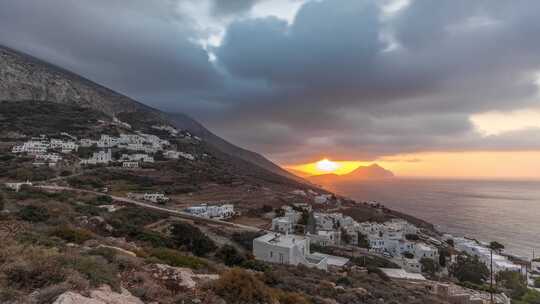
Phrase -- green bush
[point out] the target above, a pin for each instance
(191, 238)
(174, 258)
(230, 256)
(256, 265)
(470, 269)
(95, 269)
(33, 214)
(245, 239)
(72, 235)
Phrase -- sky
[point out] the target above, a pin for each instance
(451, 84)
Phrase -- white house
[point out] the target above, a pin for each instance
(17, 186)
(422, 250)
(171, 154)
(50, 157)
(85, 142)
(130, 164)
(100, 157)
(212, 211)
(535, 265)
(31, 147)
(325, 237)
(138, 157)
(155, 197)
(282, 224)
(287, 249)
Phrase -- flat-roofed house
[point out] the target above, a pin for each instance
(287, 249)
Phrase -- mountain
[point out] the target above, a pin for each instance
(26, 78)
(361, 173)
(182, 121)
(370, 172)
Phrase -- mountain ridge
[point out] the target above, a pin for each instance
(25, 77)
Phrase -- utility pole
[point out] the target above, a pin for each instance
(491, 275)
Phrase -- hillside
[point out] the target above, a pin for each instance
(24, 78)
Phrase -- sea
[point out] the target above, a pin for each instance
(488, 210)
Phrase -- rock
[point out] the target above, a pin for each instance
(102, 295)
(182, 277)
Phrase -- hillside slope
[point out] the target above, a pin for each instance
(183, 121)
(23, 78)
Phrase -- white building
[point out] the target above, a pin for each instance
(325, 237)
(64, 146)
(422, 250)
(138, 157)
(171, 154)
(17, 186)
(282, 224)
(130, 164)
(48, 157)
(155, 197)
(472, 248)
(100, 157)
(85, 142)
(212, 211)
(31, 147)
(287, 249)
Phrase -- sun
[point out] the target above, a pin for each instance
(327, 165)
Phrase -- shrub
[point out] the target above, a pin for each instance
(174, 258)
(30, 267)
(469, 269)
(378, 272)
(33, 214)
(537, 282)
(429, 265)
(408, 255)
(256, 265)
(230, 256)
(412, 237)
(72, 235)
(95, 269)
(239, 286)
(190, 237)
(344, 281)
(245, 239)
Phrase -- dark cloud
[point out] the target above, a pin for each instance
(230, 7)
(341, 79)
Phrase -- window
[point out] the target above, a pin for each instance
(271, 254)
(281, 258)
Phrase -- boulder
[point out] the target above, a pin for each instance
(102, 295)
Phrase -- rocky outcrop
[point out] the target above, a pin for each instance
(182, 277)
(102, 295)
(24, 78)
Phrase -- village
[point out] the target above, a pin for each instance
(300, 233)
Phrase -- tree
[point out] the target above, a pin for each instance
(443, 254)
(2, 202)
(412, 237)
(513, 282)
(345, 237)
(191, 238)
(363, 241)
(33, 214)
(230, 256)
(496, 246)
(429, 266)
(279, 212)
(469, 269)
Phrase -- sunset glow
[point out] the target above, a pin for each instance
(326, 166)
(511, 164)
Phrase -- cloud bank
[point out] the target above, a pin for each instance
(344, 78)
